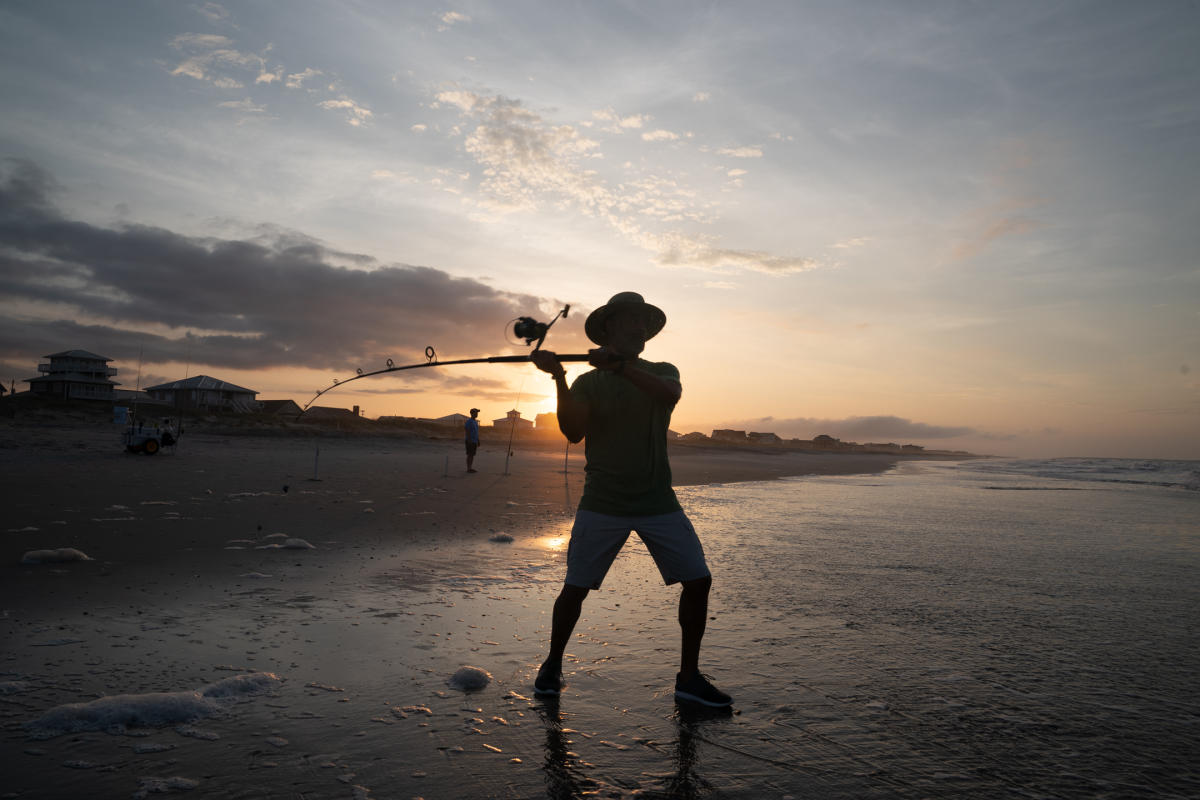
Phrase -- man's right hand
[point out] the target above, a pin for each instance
(547, 361)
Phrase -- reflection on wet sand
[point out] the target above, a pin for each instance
(565, 772)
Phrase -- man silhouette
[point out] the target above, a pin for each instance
(623, 408)
(471, 427)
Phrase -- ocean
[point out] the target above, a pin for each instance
(986, 628)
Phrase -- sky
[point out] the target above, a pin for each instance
(969, 226)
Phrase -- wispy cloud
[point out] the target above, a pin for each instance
(984, 233)
(356, 114)
(296, 79)
(659, 135)
(527, 160)
(617, 123)
(451, 18)
(215, 12)
(741, 152)
(246, 104)
(208, 53)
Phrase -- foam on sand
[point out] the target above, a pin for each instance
(470, 679)
(117, 713)
(288, 544)
(61, 555)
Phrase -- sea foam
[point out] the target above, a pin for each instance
(118, 713)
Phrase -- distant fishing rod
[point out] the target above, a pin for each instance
(526, 328)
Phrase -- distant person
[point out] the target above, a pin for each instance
(472, 430)
(623, 409)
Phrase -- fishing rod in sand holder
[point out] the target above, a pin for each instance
(526, 328)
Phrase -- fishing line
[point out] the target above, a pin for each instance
(512, 431)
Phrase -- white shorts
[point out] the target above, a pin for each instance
(597, 538)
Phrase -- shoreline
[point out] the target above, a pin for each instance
(73, 486)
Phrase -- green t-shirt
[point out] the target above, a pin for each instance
(627, 472)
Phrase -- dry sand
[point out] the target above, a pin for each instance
(187, 584)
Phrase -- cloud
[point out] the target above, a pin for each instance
(451, 18)
(857, 429)
(527, 160)
(617, 123)
(985, 233)
(245, 104)
(277, 299)
(659, 136)
(357, 115)
(701, 97)
(736, 173)
(208, 53)
(214, 11)
(741, 152)
(296, 79)
(675, 250)
(524, 157)
(419, 128)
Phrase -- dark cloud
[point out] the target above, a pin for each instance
(277, 299)
(857, 429)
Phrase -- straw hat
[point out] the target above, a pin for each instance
(654, 318)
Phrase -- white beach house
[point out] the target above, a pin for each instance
(74, 375)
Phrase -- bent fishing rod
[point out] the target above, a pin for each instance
(526, 328)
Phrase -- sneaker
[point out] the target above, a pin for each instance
(698, 689)
(549, 680)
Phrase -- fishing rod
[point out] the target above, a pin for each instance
(526, 328)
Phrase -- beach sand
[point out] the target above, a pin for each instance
(362, 573)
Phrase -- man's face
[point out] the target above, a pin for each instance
(626, 329)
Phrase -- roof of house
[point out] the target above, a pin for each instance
(328, 411)
(77, 354)
(201, 382)
(271, 406)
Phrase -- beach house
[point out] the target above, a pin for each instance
(205, 392)
(74, 375)
(513, 420)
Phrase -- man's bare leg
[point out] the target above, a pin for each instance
(693, 618)
(567, 609)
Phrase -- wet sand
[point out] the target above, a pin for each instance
(360, 571)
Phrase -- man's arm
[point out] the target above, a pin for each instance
(663, 390)
(572, 413)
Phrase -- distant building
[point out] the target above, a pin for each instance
(324, 413)
(546, 422)
(205, 392)
(728, 436)
(513, 418)
(694, 436)
(824, 441)
(280, 408)
(450, 420)
(763, 438)
(74, 375)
